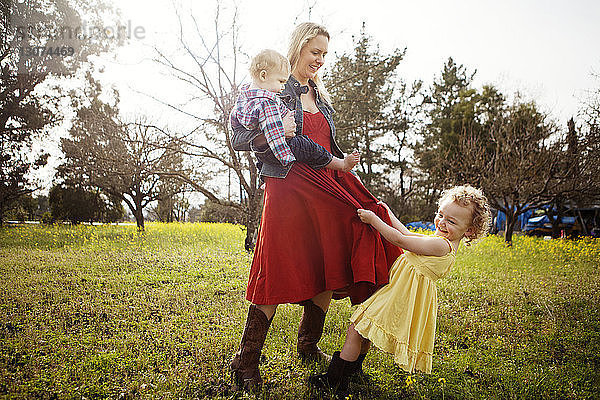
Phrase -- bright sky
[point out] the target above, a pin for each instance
(547, 49)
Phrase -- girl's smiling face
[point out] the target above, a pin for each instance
(453, 221)
(312, 57)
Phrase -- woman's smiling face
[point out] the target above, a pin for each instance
(312, 57)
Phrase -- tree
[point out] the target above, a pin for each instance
(567, 166)
(24, 208)
(400, 189)
(78, 204)
(512, 151)
(24, 112)
(589, 145)
(515, 152)
(209, 71)
(120, 158)
(171, 206)
(171, 202)
(214, 212)
(569, 185)
(362, 86)
(516, 162)
(449, 105)
(28, 207)
(195, 214)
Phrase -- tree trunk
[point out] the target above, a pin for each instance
(251, 227)
(135, 206)
(253, 213)
(139, 217)
(510, 226)
(584, 228)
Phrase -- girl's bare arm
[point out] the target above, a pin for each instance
(421, 244)
(396, 224)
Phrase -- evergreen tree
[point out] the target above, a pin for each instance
(400, 187)
(76, 204)
(362, 85)
(450, 105)
(24, 112)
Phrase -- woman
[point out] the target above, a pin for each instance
(311, 245)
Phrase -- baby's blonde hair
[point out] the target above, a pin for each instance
(269, 60)
(465, 196)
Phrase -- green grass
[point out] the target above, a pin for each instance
(107, 312)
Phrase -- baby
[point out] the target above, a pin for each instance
(258, 108)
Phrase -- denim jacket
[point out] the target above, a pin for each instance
(291, 98)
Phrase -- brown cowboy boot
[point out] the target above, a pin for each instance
(244, 365)
(309, 333)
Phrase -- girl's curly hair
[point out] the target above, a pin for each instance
(467, 195)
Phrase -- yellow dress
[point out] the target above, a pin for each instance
(400, 317)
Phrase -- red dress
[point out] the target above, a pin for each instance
(311, 239)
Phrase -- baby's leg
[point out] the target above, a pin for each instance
(353, 345)
(307, 151)
(303, 148)
(349, 161)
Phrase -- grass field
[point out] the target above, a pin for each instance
(107, 312)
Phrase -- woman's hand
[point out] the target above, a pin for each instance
(367, 216)
(289, 124)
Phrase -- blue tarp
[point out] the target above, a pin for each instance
(421, 225)
(522, 220)
(539, 222)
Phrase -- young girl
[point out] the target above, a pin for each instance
(400, 318)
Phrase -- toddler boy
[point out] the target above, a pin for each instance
(258, 108)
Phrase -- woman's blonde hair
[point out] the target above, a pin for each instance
(300, 37)
(269, 60)
(466, 196)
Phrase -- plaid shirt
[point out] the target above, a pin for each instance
(259, 108)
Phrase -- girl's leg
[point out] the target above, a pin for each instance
(244, 366)
(353, 345)
(311, 327)
(356, 366)
(342, 365)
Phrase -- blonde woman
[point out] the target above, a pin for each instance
(311, 246)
